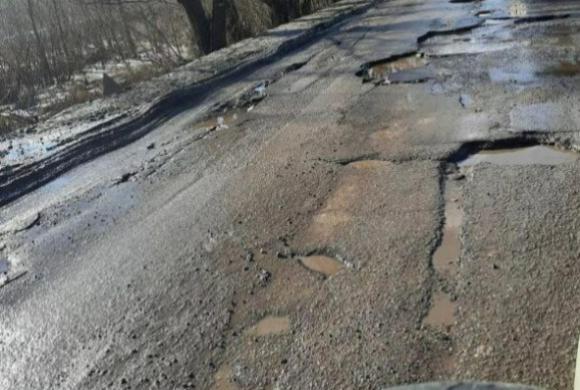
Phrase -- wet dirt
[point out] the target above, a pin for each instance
(531, 155)
(223, 379)
(325, 265)
(442, 311)
(270, 325)
(563, 69)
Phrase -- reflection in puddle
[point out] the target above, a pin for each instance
(442, 312)
(270, 325)
(532, 155)
(322, 264)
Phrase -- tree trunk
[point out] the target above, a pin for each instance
(62, 37)
(218, 24)
(127, 30)
(45, 66)
(199, 22)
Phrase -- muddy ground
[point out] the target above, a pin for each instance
(401, 206)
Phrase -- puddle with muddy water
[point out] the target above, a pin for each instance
(384, 71)
(270, 325)
(446, 256)
(325, 265)
(442, 312)
(531, 155)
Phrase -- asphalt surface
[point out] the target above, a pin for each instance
(329, 235)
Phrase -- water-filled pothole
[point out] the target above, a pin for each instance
(270, 325)
(325, 265)
(408, 68)
(442, 312)
(446, 256)
(530, 155)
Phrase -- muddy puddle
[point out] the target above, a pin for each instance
(410, 68)
(531, 155)
(271, 325)
(325, 265)
(442, 311)
(446, 256)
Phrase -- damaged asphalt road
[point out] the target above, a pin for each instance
(400, 205)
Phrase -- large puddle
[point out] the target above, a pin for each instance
(531, 155)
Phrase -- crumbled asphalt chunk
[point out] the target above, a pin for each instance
(465, 100)
(3, 279)
(264, 278)
(124, 177)
(21, 223)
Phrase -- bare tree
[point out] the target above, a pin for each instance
(52, 52)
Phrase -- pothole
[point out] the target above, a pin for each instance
(529, 155)
(270, 325)
(405, 68)
(446, 256)
(325, 265)
(442, 311)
